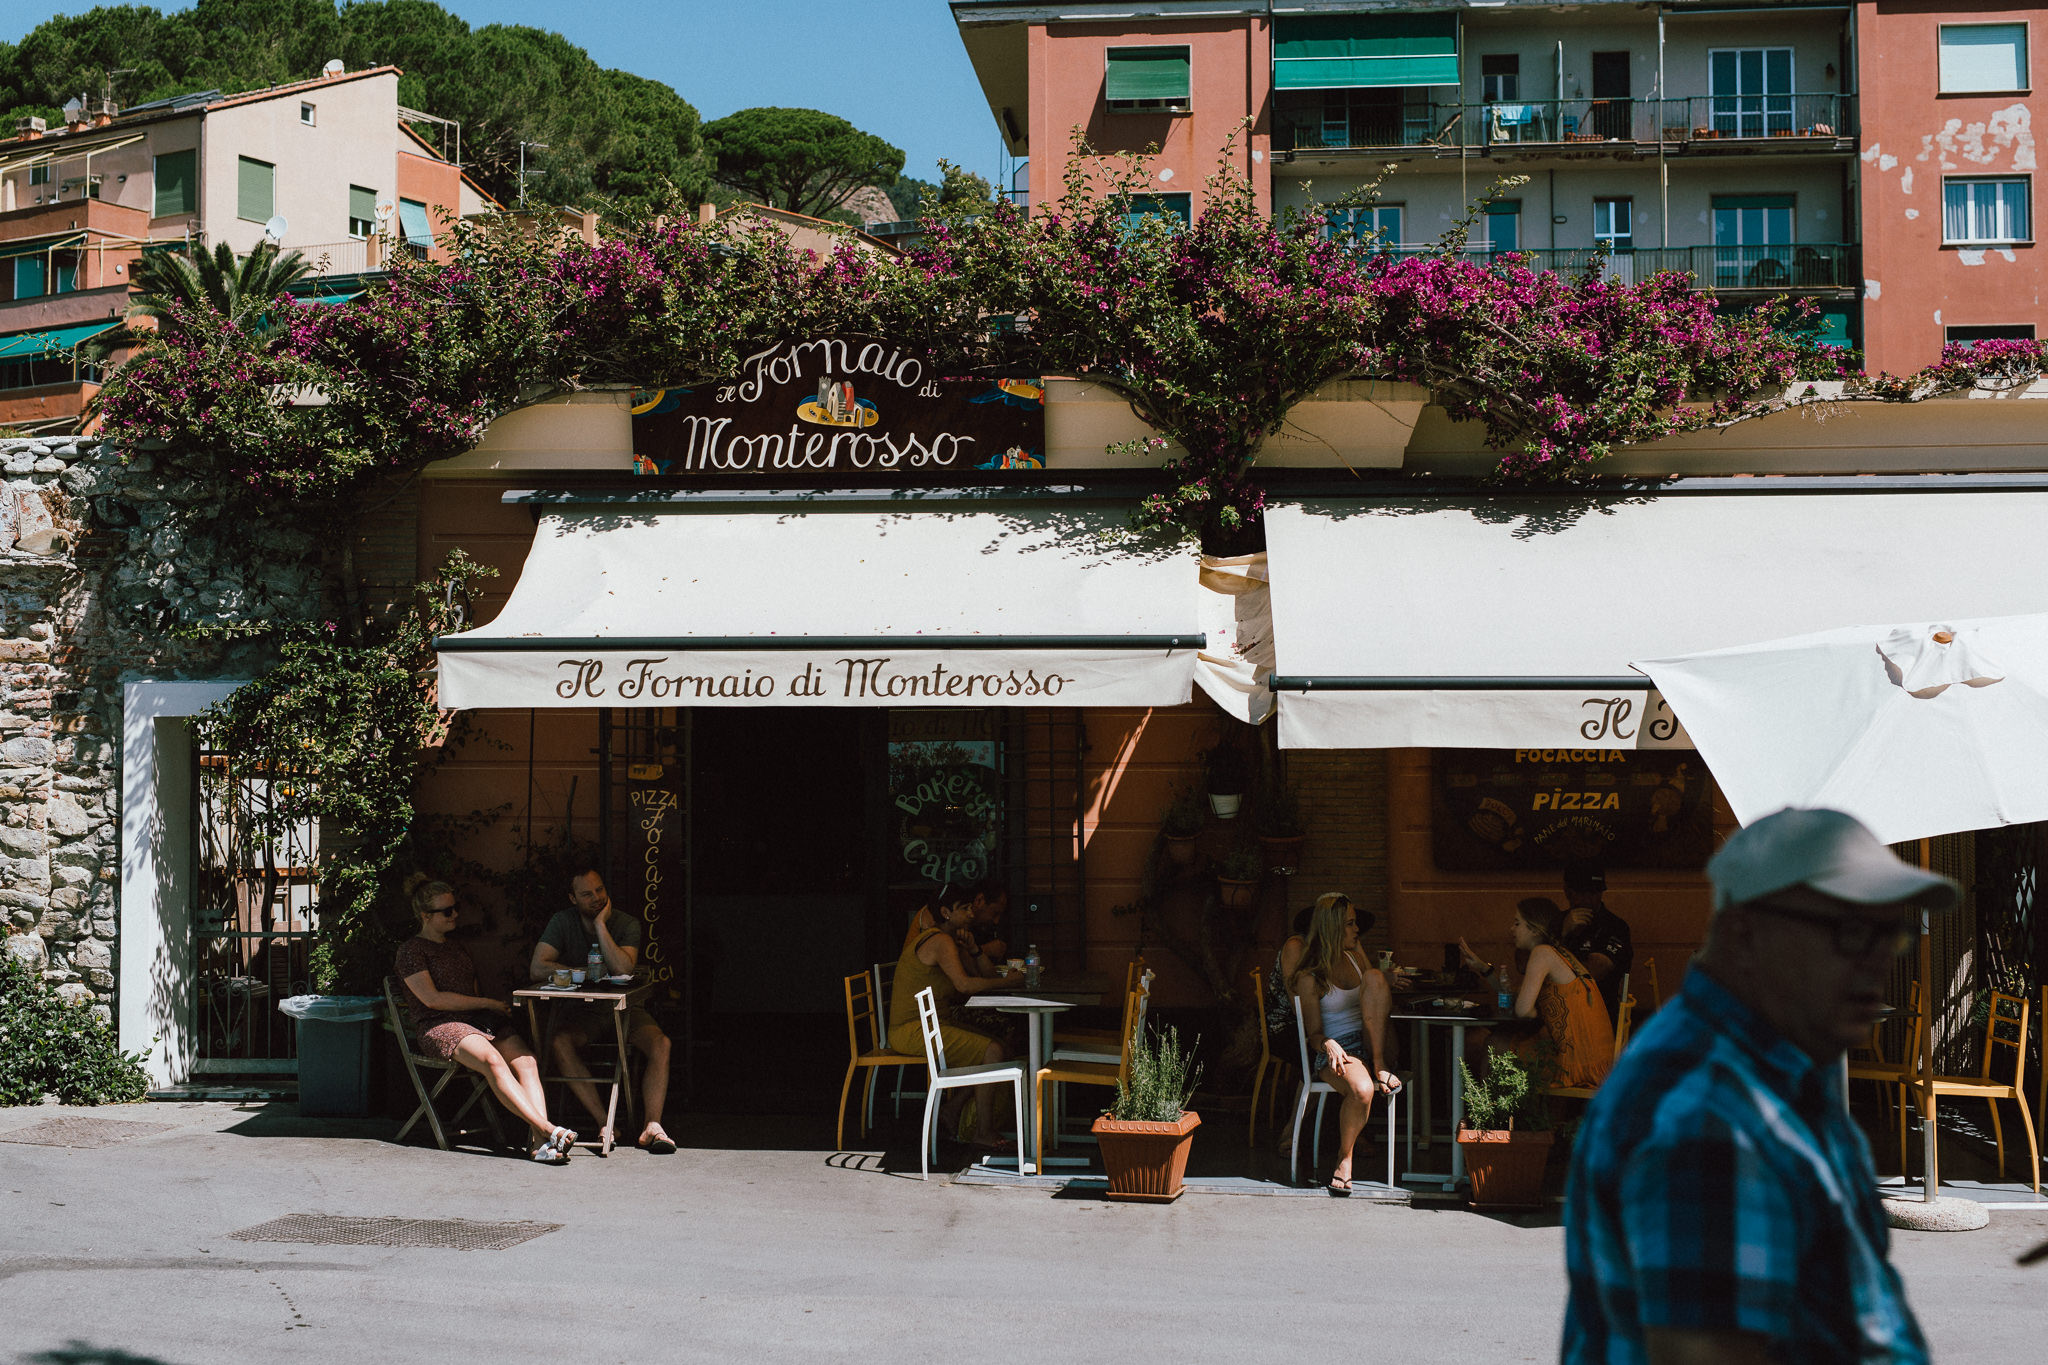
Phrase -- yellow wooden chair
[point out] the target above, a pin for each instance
(2007, 1027)
(1893, 1076)
(1623, 1023)
(1101, 1041)
(1278, 1067)
(1096, 1073)
(860, 1008)
(1656, 991)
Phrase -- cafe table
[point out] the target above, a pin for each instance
(620, 999)
(1457, 1021)
(1038, 1008)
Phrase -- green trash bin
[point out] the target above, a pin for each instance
(335, 1033)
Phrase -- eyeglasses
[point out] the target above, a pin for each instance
(1855, 935)
(446, 909)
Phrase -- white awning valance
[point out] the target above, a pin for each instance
(848, 604)
(1513, 622)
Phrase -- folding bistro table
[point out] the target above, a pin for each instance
(621, 999)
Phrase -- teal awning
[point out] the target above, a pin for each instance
(25, 345)
(1147, 73)
(1361, 51)
(412, 221)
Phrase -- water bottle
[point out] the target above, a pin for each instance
(1031, 968)
(593, 966)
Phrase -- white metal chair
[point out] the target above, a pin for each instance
(1322, 1090)
(944, 1078)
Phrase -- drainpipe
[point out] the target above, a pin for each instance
(1663, 166)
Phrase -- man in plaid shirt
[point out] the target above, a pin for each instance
(1722, 1205)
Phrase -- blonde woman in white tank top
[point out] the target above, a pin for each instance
(1344, 1006)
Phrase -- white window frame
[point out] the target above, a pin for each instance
(1763, 114)
(1359, 223)
(2026, 182)
(1611, 236)
(309, 114)
(2026, 59)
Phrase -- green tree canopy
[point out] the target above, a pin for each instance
(802, 160)
(606, 133)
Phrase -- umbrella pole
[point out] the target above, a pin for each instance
(1930, 1146)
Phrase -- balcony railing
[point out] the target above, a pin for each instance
(1699, 120)
(1789, 268)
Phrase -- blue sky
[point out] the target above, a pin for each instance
(893, 67)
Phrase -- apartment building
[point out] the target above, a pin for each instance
(1947, 177)
(316, 165)
(1713, 138)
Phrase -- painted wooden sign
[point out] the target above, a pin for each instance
(1498, 810)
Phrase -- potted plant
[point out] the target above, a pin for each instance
(1181, 827)
(1145, 1135)
(1228, 776)
(1505, 1162)
(1276, 817)
(1237, 875)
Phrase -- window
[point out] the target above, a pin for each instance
(1614, 224)
(31, 278)
(255, 190)
(1752, 90)
(1500, 77)
(1504, 225)
(306, 114)
(177, 183)
(1375, 118)
(64, 275)
(1753, 241)
(362, 211)
(1143, 206)
(1983, 58)
(1379, 224)
(39, 175)
(418, 232)
(2015, 331)
(1985, 210)
(1142, 79)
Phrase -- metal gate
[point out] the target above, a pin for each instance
(1048, 863)
(254, 920)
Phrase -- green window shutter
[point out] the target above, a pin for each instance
(362, 203)
(1353, 52)
(29, 278)
(1148, 73)
(177, 183)
(254, 196)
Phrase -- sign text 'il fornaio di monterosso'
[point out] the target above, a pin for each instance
(651, 680)
(833, 405)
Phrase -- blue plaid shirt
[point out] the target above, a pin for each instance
(1720, 1185)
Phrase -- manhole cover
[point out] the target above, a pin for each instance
(445, 1234)
(76, 1130)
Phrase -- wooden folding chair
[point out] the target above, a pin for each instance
(860, 1007)
(2006, 1027)
(1115, 1075)
(417, 1061)
(1277, 1066)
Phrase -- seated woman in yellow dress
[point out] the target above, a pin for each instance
(1555, 989)
(932, 959)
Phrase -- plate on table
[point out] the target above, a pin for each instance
(614, 981)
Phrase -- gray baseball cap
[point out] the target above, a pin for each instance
(1828, 851)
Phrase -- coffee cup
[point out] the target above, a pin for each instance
(1015, 964)
(576, 976)
(562, 976)
(1386, 961)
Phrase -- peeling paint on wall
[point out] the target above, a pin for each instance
(1872, 290)
(2009, 129)
(1912, 213)
(1970, 257)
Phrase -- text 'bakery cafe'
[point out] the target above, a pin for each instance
(744, 633)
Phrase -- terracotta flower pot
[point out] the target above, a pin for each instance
(1506, 1166)
(1282, 850)
(1233, 894)
(1145, 1161)
(1182, 849)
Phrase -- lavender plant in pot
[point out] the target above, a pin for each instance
(1145, 1135)
(1505, 1162)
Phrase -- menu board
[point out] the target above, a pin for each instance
(1499, 810)
(652, 881)
(945, 796)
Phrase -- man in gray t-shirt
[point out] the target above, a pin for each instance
(590, 918)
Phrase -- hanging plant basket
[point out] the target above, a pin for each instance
(1506, 1166)
(1224, 805)
(1145, 1161)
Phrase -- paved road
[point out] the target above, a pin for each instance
(121, 1256)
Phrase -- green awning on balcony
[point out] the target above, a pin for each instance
(1355, 51)
(1147, 73)
(25, 345)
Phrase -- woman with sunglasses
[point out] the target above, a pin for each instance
(450, 1020)
(1344, 1007)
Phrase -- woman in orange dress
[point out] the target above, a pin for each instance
(1557, 990)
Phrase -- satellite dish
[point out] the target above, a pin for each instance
(334, 67)
(385, 208)
(274, 229)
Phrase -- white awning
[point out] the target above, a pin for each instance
(1513, 622)
(857, 602)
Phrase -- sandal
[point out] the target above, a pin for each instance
(547, 1154)
(661, 1144)
(561, 1140)
(1340, 1188)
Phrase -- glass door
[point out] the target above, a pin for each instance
(1751, 91)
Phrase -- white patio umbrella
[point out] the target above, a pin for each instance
(1916, 730)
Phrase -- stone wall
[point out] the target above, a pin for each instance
(105, 570)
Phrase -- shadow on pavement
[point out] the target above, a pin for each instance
(83, 1353)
